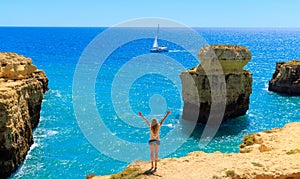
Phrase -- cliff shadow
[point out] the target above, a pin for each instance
(230, 127)
(282, 94)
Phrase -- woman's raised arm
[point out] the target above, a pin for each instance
(146, 120)
(163, 119)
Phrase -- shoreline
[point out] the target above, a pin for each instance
(272, 154)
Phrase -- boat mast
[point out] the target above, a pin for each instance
(155, 43)
(157, 31)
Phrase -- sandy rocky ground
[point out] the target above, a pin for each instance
(264, 155)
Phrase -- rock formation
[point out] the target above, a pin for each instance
(219, 79)
(269, 154)
(286, 78)
(22, 88)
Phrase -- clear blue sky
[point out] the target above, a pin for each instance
(196, 13)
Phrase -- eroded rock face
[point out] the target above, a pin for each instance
(22, 88)
(221, 69)
(14, 66)
(231, 57)
(286, 78)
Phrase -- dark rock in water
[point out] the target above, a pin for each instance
(218, 88)
(286, 78)
(22, 88)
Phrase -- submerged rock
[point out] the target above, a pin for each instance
(22, 88)
(286, 78)
(219, 81)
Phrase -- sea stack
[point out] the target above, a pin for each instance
(286, 78)
(220, 73)
(22, 87)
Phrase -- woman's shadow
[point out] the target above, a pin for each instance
(151, 171)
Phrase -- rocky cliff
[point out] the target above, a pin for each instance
(22, 88)
(219, 79)
(286, 78)
(264, 155)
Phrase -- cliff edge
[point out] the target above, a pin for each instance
(286, 78)
(22, 87)
(264, 155)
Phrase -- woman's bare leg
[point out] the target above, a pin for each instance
(156, 155)
(152, 155)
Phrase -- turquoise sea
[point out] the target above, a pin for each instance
(61, 150)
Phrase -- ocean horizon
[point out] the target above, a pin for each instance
(60, 149)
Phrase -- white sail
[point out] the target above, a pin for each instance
(155, 48)
(155, 43)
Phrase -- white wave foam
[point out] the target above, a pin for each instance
(266, 88)
(55, 93)
(58, 94)
(251, 115)
(169, 125)
(51, 133)
(42, 133)
(34, 145)
(172, 51)
(23, 168)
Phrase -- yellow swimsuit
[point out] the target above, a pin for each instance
(154, 138)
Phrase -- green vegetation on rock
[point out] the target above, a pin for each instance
(230, 173)
(128, 173)
(257, 164)
(248, 140)
(294, 151)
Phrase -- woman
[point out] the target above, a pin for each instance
(154, 140)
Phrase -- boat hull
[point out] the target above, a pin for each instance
(158, 49)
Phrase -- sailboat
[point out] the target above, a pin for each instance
(155, 47)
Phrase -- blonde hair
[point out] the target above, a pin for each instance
(154, 126)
